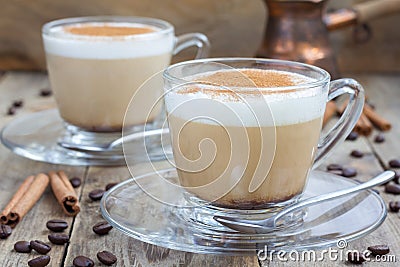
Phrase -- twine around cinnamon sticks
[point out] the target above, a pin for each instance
(368, 119)
(32, 189)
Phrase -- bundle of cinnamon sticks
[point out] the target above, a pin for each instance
(32, 189)
(367, 121)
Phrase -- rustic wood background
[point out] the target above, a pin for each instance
(381, 89)
(235, 28)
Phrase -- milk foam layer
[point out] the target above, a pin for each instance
(264, 107)
(63, 43)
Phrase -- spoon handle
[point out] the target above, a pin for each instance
(377, 180)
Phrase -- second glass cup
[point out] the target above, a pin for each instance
(96, 64)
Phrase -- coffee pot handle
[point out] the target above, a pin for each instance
(347, 121)
(193, 39)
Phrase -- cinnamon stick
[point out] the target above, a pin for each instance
(23, 200)
(366, 128)
(330, 110)
(342, 107)
(376, 119)
(64, 192)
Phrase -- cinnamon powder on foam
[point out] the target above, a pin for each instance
(107, 30)
(249, 78)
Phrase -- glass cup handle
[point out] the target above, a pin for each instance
(193, 39)
(347, 121)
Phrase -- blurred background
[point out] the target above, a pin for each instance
(234, 27)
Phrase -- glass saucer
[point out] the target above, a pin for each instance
(36, 136)
(140, 215)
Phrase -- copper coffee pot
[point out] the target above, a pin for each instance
(298, 29)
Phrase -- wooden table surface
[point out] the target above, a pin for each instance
(382, 89)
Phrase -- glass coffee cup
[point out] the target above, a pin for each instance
(247, 132)
(96, 64)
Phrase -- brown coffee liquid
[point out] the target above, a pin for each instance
(291, 161)
(107, 30)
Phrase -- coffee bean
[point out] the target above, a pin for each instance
(96, 194)
(352, 136)
(40, 246)
(45, 92)
(40, 261)
(110, 185)
(58, 239)
(106, 257)
(334, 166)
(356, 257)
(18, 103)
(11, 111)
(379, 249)
(392, 188)
(5, 231)
(349, 172)
(357, 154)
(82, 261)
(394, 206)
(22, 247)
(102, 228)
(394, 163)
(57, 225)
(75, 182)
(379, 138)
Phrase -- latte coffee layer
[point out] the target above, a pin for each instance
(227, 148)
(96, 68)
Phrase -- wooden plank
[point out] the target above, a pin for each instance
(130, 252)
(384, 93)
(15, 169)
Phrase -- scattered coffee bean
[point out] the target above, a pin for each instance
(57, 225)
(5, 231)
(40, 261)
(379, 249)
(349, 172)
(22, 247)
(18, 103)
(357, 154)
(40, 246)
(394, 206)
(82, 261)
(379, 138)
(102, 228)
(110, 185)
(96, 194)
(334, 167)
(392, 188)
(106, 257)
(352, 136)
(11, 111)
(394, 163)
(45, 92)
(75, 182)
(58, 239)
(356, 257)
